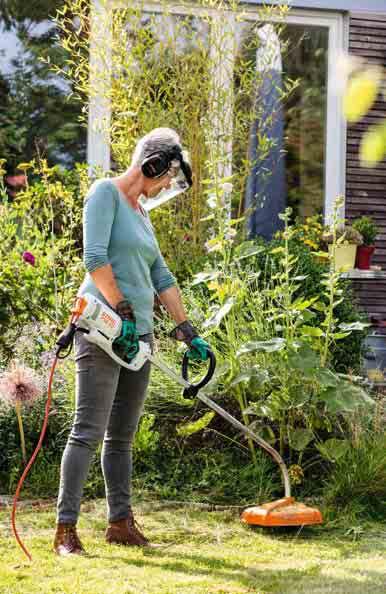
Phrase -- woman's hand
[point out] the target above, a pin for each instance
(199, 349)
(127, 342)
(188, 334)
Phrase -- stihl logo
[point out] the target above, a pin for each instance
(109, 321)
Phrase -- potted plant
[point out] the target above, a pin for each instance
(348, 239)
(368, 230)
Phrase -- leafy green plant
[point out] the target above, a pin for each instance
(275, 344)
(367, 228)
(358, 476)
(344, 234)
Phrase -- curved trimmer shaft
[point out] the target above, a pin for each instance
(247, 432)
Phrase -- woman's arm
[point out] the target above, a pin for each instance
(104, 280)
(171, 300)
(98, 218)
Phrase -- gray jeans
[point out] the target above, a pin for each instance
(109, 403)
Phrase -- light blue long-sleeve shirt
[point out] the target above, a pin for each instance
(117, 234)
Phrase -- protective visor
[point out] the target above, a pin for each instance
(180, 173)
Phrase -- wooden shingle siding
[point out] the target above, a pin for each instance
(366, 187)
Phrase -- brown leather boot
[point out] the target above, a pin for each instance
(126, 532)
(67, 541)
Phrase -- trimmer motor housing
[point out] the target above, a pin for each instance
(101, 325)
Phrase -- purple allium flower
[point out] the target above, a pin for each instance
(28, 257)
(20, 384)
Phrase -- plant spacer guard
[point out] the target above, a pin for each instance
(283, 512)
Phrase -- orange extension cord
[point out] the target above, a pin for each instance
(75, 313)
(27, 468)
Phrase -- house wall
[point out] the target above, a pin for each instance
(365, 187)
(377, 6)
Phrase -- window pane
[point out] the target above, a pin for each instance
(291, 171)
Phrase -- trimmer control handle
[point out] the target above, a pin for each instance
(194, 388)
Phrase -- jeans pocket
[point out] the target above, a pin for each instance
(84, 352)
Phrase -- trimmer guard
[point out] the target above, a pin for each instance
(283, 512)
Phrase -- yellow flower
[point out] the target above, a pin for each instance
(373, 145)
(310, 243)
(361, 94)
(25, 166)
(296, 474)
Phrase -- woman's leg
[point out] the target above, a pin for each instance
(116, 455)
(97, 377)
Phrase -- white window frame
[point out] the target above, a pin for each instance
(98, 153)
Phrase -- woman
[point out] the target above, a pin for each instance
(124, 269)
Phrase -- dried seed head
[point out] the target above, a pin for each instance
(20, 384)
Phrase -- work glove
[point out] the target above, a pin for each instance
(188, 334)
(127, 342)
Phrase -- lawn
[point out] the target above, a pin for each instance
(204, 553)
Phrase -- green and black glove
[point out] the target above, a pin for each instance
(127, 343)
(188, 334)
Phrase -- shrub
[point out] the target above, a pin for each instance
(44, 220)
(367, 228)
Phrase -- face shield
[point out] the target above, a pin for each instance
(180, 174)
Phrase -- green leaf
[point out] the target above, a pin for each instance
(255, 372)
(353, 326)
(300, 305)
(327, 378)
(299, 438)
(203, 277)
(245, 250)
(333, 449)
(190, 428)
(305, 359)
(216, 318)
(306, 316)
(319, 306)
(345, 397)
(268, 346)
(324, 255)
(340, 335)
(311, 331)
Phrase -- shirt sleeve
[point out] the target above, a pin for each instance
(161, 276)
(98, 218)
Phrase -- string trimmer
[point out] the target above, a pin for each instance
(102, 326)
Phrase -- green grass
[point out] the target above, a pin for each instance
(204, 553)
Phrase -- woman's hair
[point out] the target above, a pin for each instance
(159, 139)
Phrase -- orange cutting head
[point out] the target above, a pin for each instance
(283, 512)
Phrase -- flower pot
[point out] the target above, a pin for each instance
(345, 255)
(364, 256)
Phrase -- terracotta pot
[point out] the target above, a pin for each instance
(364, 256)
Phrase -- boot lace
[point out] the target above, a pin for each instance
(135, 526)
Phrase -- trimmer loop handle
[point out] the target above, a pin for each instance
(194, 388)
